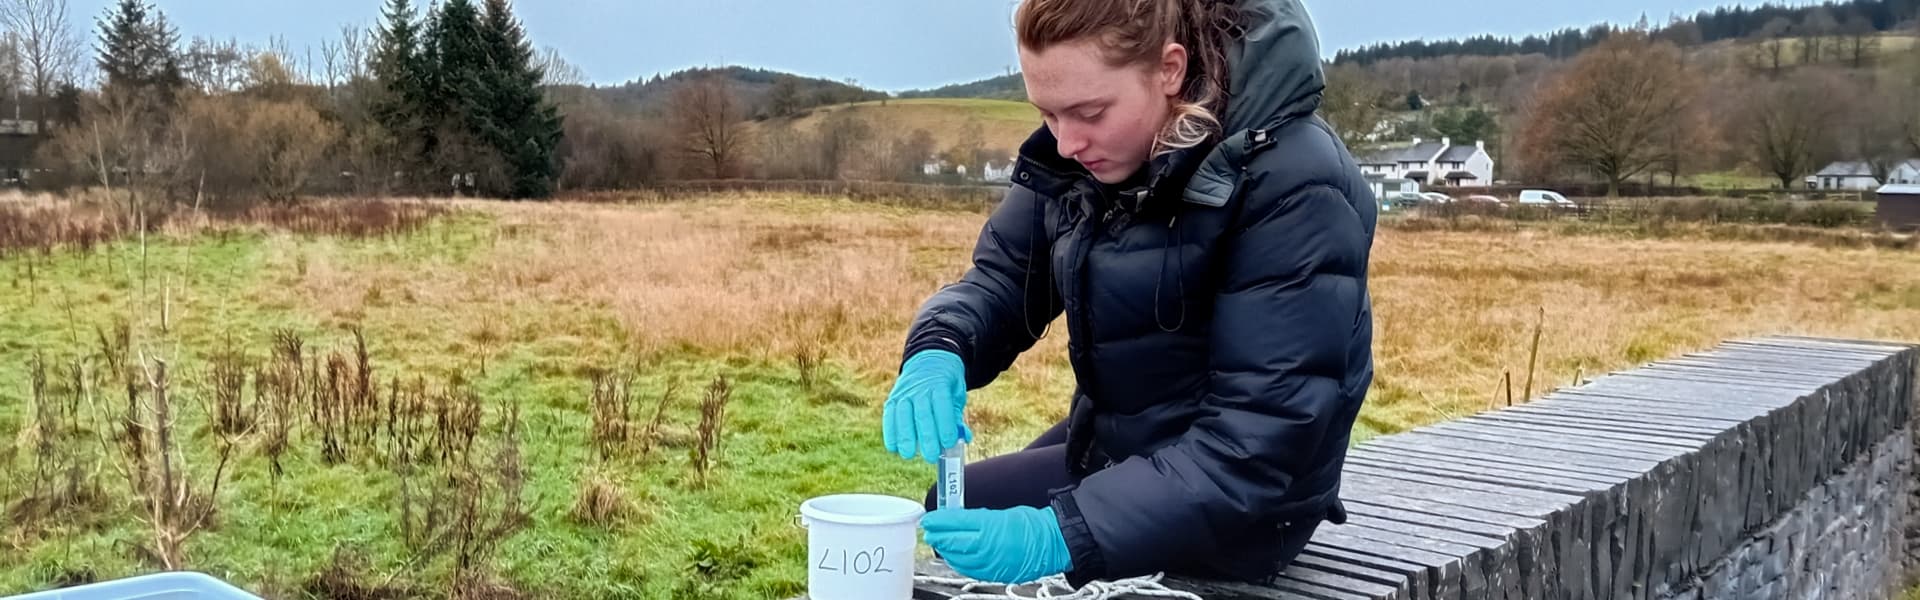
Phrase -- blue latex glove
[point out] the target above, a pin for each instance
(924, 413)
(1013, 546)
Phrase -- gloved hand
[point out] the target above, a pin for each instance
(924, 412)
(1013, 546)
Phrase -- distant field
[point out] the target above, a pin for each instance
(1003, 123)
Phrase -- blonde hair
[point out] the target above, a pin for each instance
(1131, 33)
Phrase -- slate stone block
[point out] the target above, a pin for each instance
(1503, 452)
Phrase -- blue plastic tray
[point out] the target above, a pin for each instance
(160, 586)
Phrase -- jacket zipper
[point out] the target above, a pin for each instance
(1083, 273)
(1109, 215)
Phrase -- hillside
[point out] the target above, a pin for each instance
(1005, 87)
(1889, 45)
(753, 86)
(1727, 23)
(1003, 124)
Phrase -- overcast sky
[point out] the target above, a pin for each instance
(886, 44)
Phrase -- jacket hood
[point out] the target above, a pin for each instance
(1275, 66)
(1276, 77)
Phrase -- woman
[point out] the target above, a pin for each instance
(1207, 238)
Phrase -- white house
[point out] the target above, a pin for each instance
(1906, 173)
(1432, 163)
(1381, 186)
(997, 174)
(1849, 175)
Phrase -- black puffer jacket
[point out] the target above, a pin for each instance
(1219, 322)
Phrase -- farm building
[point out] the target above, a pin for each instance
(1899, 206)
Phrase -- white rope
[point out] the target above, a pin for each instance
(1056, 588)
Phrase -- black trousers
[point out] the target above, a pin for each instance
(1025, 478)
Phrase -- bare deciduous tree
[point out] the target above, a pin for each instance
(1615, 111)
(216, 67)
(557, 71)
(1907, 97)
(331, 66)
(1859, 42)
(1786, 124)
(708, 116)
(1769, 53)
(1814, 32)
(46, 47)
(1352, 106)
(1864, 134)
(841, 136)
(286, 139)
(111, 147)
(353, 53)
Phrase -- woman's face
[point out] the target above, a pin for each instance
(1105, 117)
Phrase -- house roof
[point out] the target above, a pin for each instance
(1459, 153)
(1416, 174)
(1846, 168)
(1461, 175)
(1420, 152)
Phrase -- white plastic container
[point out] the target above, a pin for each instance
(860, 546)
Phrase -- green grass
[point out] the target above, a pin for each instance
(1002, 124)
(1729, 180)
(783, 443)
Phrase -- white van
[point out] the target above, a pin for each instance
(1545, 198)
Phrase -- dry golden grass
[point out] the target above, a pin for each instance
(1455, 311)
(755, 276)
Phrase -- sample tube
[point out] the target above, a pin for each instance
(953, 483)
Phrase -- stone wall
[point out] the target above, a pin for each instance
(1846, 538)
(1766, 468)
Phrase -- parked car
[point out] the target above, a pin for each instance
(1483, 199)
(1550, 199)
(1437, 198)
(1401, 200)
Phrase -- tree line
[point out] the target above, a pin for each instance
(1641, 107)
(1636, 107)
(1768, 21)
(450, 100)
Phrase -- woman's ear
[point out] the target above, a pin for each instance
(1172, 75)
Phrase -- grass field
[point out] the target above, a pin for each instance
(1893, 46)
(1003, 123)
(1730, 180)
(526, 303)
